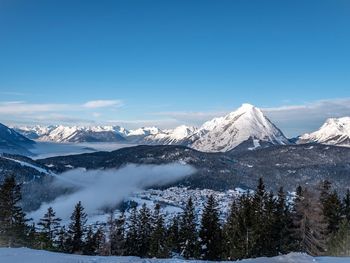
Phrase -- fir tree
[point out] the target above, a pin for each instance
(332, 210)
(210, 231)
(77, 229)
(144, 230)
(310, 224)
(173, 235)
(158, 245)
(49, 226)
(346, 205)
(132, 237)
(339, 244)
(117, 235)
(188, 232)
(13, 226)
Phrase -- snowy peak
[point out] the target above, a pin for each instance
(335, 131)
(225, 133)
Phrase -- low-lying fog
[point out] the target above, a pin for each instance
(98, 189)
(50, 149)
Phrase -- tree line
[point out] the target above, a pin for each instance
(260, 223)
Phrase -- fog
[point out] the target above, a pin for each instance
(98, 189)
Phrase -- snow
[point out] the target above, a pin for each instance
(39, 169)
(20, 255)
(335, 131)
(225, 133)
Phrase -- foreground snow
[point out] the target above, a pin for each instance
(19, 255)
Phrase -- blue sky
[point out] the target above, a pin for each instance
(146, 62)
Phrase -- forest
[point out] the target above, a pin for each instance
(260, 223)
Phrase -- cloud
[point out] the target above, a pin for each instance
(21, 107)
(99, 189)
(94, 104)
(298, 119)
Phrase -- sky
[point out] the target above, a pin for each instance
(165, 63)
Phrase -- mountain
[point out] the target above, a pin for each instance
(279, 165)
(13, 142)
(84, 134)
(335, 131)
(177, 136)
(225, 133)
(247, 124)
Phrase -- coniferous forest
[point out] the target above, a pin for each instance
(260, 223)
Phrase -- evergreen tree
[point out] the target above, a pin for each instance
(61, 243)
(158, 245)
(332, 210)
(90, 246)
(310, 224)
(144, 230)
(117, 235)
(283, 224)
(13, 224)
(173, 235)
(346, 205)
(210, 231)
(188, 232)
(49, 226)
(77, 229)
(132, 237)
(239, 235)
(339, 244)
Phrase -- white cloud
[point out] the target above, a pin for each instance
(94, 104)
(21, 107)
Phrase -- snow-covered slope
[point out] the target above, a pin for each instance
(224, 133)
(335, 131)
(85, 134)
(179, 135)
(19, 255)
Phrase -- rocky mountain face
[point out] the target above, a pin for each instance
(335, 131)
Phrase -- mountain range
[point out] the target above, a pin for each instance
(246, 128)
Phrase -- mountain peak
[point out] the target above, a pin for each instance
(335, 131)
(225, 133)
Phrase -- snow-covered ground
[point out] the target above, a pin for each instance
(25, 255)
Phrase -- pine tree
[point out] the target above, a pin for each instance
(77, 229)
(132, 236)
(173, 235)
(49, 226)
(239, 235)
(61, 243)
(310, 227)
(283, 224)
(144, 230)
(117, 235)
(13, 224)
(339, 244)
(188, 232)
(346, 205)
(90, 247)
(210, 231)
(158, 245)
(332, 210)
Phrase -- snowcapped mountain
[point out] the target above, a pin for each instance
(335, 131)
(179, 135)
(247, 124)
(13, 142)
(85, 134)
(225, 133)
